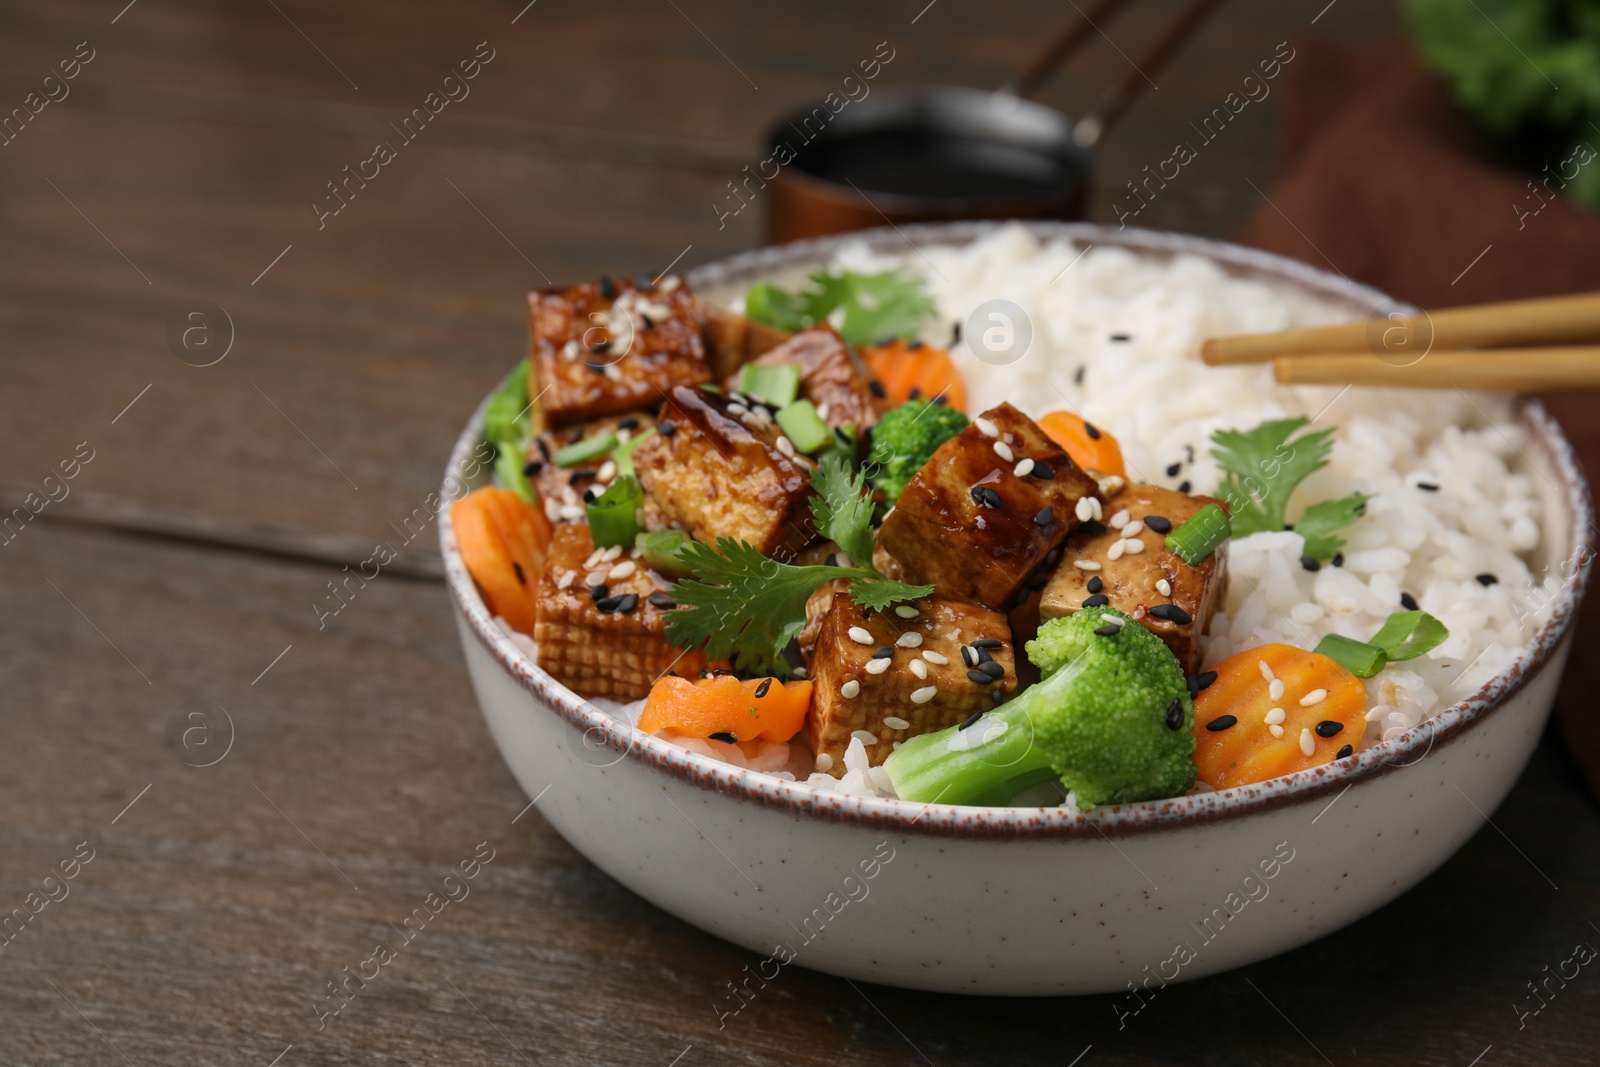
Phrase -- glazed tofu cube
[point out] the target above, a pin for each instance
(973, 527)
(733, 340)
(939, 666)
(560, 488)
(832, 377)
(604, 348)
(601, 620)
(1171, 598)
(720, 470)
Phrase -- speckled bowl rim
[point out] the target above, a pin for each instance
(599, 730)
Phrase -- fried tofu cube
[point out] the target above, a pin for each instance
(561, 488)
(924, 683)
(733, 340)
(1172, 599)
(717, 468)
(605, 348)
(832, 377)
(604, 642)
(974, 528)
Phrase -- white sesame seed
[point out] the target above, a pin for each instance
(876, 666)
(866, 737)
(925, 694)
(612, 554)
(850, 690)
(1003, 450)
(824, 762)
(1275, 717)
(905, 611)
(621, 571)
(799, 673)
(1086, 564)
(822, 412)
(1024, 468)
(895, 722)
(1133, 529)
(1115, 551)
(624, 435)
(1095, 508)
(909, 639)
(552, 509)
(1266, 671)
(1163, 587)
(607, 471)
(919, 668)
(594, 557)
(570, 512)
(986, 427)
(594, 578)
(613, 373)
(861, 635)
(1275, 689)
(785, 445)
(1316, 696)
(1084, 509)
(566, 579)
(938, 659)
(570, 350)
(1277, 731)
(1308, 744)
(738, 408)
(569, 495)
(1119, 519)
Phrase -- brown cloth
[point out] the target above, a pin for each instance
(1383, 181)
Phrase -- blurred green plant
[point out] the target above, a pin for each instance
(1526, 71)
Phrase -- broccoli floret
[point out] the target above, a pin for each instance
(906, 438)
(1102, 722)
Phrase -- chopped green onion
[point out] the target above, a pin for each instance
(623, 456)
(616, 516)
(663, 551)
(1200, 536)
(1408, 634)
(508, 427)
(588, 448)
(508, 463)
(1357, 657)
(777, 385)
(803, 426)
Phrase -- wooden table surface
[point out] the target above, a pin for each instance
(173, 589)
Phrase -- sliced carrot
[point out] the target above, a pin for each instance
(723, 704)
(1089, 446)
(927, 369)
(1246, 751)
(503, 541)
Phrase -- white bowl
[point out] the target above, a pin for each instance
(1024, 900)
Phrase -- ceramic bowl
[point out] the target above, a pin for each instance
(1025, 900)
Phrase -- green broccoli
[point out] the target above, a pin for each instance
(905, 439)
(1112, 720)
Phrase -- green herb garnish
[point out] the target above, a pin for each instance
(1261, 469)
(587, 448)
(746, 607)
(803, 426)
(777, 385)
(616, 517)
(1200, 535)
(876, 307)
(508, 426)
(1403, 635)
(1357, 657)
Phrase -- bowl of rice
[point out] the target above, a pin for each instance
(1478, 513)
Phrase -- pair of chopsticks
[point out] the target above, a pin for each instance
(1484, 346)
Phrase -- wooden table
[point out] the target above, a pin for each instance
(161, 615)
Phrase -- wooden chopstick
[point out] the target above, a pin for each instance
(1515, 369)
(1549, 319)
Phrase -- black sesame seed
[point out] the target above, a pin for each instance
(968, 657)
(1220, 723)
(1338, 559)
(1172, 613)
(649, 323)
(595, 365)
(941, 400)
(915, 394)
(1158, 523)
(532, 469)
(1192, 683)
(1173, 469)
(629, 423)
(599, 592)
(761, 690)
(1092, 430)
(608, 604)
(607, 288)
(1121, 338)
(589, 495)
(1427, 487)
(1095, 584)
(599, 347)
(627, 603)
(1408, 602)
(997, 697)
(1310, 564)
(988, 642)
(522, 579)
(1184, 486)
(544, 450)
(986, 497)
(1487, 580)
(969, 720)
(914, 345)
(992, 669)
(724, 736)
(885, 652)
(876, 388)
(577, 476)
(646, 284)
(1045, 517)
(976, 492)
(983, 657)
(1093, 528)
(1108, 630)
(844, 438)
(1175, 714)
(979, 678)
(1077, 375)
(1345, 751)
(665, 428)
(1189, 451)
(1205, 678)
(1329, 728)
(1042, 472)
(1099, 600)
(662, 601)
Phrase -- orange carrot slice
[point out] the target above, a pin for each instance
(1233, 716)
(1089, 446)
(927, 369)
(723, 704)
(503, 541)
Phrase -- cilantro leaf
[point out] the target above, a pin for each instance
(871, 307)
(508, 426)
(1262, 467)
(842, 509)
(879, 594)
(1321, 520)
